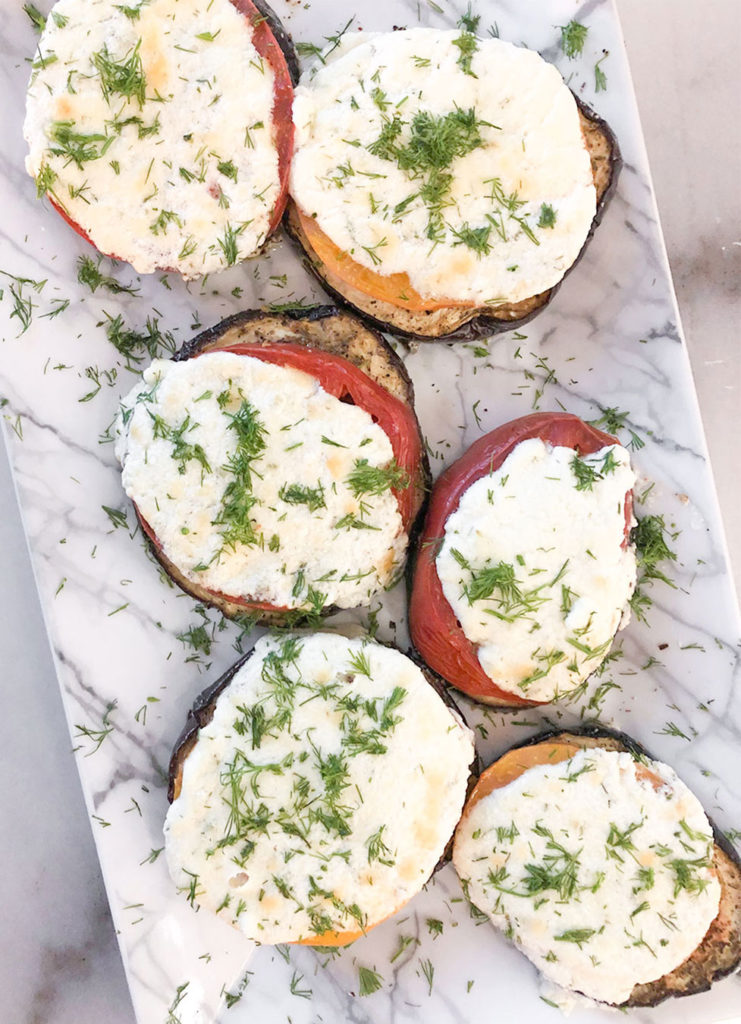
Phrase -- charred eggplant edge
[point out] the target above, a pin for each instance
(479, 325)
(393, 370)
(282, 38)
(202, 711)
(697, 972)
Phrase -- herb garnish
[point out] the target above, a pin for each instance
(367, 479)
(90, 274)
(586, 474)
(573, 37)
(649, 537)
(577, 935)
(547, 217)
(238, 500)
(77, 147)
(467, 42)
(133, 345)
(36, 17)
(435, 141)
(369, 981)
(300, 494)
(124, 77)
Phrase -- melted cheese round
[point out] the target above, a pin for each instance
(477, 184)
(259, 484)
(534, 567)
(137, 127)
(322, 793)
(598, 871)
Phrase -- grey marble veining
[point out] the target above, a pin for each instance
(611, 338)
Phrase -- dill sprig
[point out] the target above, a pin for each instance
(377, 849)
(476, 239)
(123, 77)
(577, 935)
(573, 38)
(90, 274)
(435, 141)
(229, 244)
(367, 479)
(468, 44)
(649, 537)
(547, 217)
(135, 346)
(300, 494)
(77, 147)
(45, 180)
(613, 420)
(238, 500)
(586, 474)
(369, 981)
(36, 18)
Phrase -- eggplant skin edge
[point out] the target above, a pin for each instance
(719, 953)
(282, 38)
(326, 328)
(479, 326)
(202, 710)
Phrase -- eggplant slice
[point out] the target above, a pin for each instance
(327, 329)
(202, 712)
(719, 953)
(469, 324)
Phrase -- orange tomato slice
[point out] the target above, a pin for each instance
(395, 289)
(516, 762)
(344, 938)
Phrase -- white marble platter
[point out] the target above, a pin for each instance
(610, 339)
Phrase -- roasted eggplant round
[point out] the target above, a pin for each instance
(315, 788)
(276, 464)
(638, 880)
(444, 197)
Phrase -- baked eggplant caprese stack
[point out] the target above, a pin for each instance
(315, 789)
(162, 131)
(443, 184)
(525, 568)
(603, 868)
(276, 463)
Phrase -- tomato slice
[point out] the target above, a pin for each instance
(267, 46)
(516, 762)
(345, 381)
(341, 378)
(282, 116)
(435, 631)
(393, 288)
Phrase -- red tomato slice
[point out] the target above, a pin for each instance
(267, 46)
(341, 378)
(345, 381)
(435, 631)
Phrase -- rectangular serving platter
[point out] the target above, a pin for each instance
(132, 652)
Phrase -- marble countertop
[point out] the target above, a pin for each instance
(60, 962)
